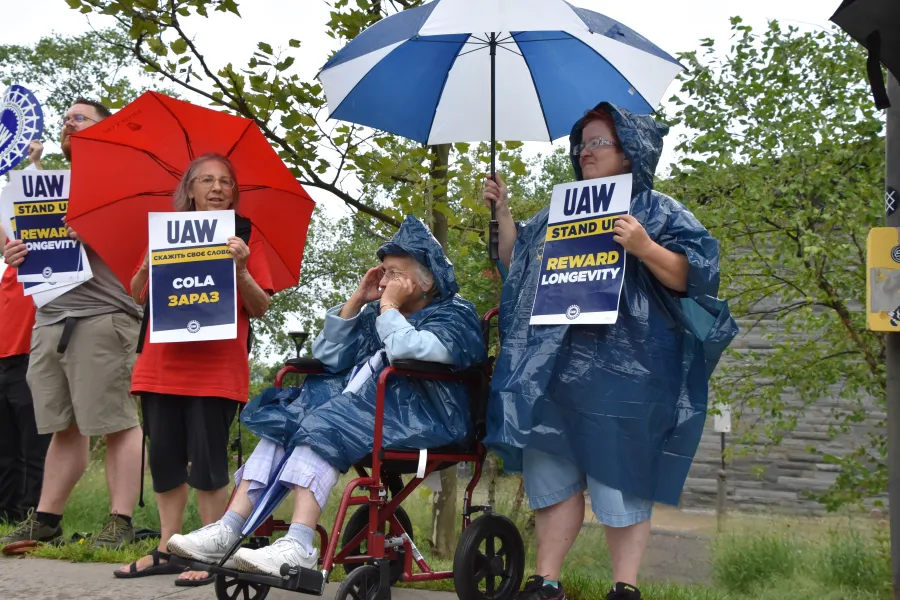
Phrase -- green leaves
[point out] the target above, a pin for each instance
(179, 46)
(785, 167)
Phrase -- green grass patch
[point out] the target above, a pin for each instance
(742, 563)
(771, 563)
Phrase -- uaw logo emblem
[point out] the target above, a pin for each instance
(193, 326)
(21, 121)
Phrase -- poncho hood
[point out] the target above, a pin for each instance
(641, 137)
(415, 240)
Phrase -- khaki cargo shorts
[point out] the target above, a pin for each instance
(88, 384)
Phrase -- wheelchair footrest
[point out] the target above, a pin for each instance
(303, 580)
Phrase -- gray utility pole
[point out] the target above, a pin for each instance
(892, 358)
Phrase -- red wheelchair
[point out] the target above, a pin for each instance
(376, 544)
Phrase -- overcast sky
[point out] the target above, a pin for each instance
(675, 26)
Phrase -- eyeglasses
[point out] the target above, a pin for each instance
(76, 118)
(391, 273)
(209, 181)
(591, 145)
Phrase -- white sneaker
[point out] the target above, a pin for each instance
(268, 560)
(208, 544)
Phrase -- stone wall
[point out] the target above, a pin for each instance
(779, 481)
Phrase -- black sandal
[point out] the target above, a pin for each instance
(210, 577)
(157, 568)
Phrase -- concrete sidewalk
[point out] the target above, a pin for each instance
(37, 579)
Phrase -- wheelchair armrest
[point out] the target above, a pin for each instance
(306, 365)
(422, 366)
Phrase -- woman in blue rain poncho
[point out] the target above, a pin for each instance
(617, 409)
(405, 308)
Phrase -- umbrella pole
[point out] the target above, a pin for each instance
(892, 341)
(493, 226)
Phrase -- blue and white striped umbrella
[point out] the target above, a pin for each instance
(427, 73)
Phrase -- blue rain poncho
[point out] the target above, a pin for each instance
(625, 402)
(418, 414)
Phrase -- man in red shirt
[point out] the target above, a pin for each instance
(22, 448)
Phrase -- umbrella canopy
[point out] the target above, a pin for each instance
(129, 165)
(876, 25)
(427, 73)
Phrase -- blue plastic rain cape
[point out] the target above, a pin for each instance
(418, 414)
(625, 402)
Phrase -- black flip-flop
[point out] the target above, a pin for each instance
(210, 577)
(157, 568)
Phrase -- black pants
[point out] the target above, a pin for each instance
(187, 429)
(22, 449)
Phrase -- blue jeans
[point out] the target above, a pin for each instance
(550, 479)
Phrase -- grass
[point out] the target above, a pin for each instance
(766, 560)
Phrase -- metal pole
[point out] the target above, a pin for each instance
(892, 354)
(494, 226)
(721, 490)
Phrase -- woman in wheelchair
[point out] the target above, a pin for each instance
(405, 309)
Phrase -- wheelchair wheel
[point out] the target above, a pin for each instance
(230, 588)
(361, 584)
(359, 521)
(490, 560)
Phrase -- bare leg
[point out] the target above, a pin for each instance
(67, 459)
(123, 469)
(306, 509)
(241, 502)
(212, 505)
(626, 548)
(557, 527)
(171, 514)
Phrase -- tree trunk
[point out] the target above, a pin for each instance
(520, 497)
(444, 511)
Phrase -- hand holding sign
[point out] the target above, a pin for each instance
(14, 253)
(240, 251)
(632, 236)
(35, 150)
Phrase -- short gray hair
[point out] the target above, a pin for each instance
(425, 279)
(183, 201)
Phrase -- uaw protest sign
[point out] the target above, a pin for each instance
(32, 208)
(39, 201)
(583, 268)
(192, 277)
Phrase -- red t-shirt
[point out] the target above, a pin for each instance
(219, 368)
(16, 316)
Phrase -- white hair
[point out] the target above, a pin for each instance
(424, 278)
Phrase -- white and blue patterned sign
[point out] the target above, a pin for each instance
(21, 121)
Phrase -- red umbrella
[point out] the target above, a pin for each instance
(129, 165)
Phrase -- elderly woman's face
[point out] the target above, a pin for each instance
(603, 161)
(212, 187)
(399, 266)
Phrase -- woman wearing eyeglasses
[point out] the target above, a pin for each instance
(190, 391)
(614, 409)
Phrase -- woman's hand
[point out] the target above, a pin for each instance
(14, 253)
(398, 292)
(368, 289)
(632, 236)
(496, 191)
(240, 252)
